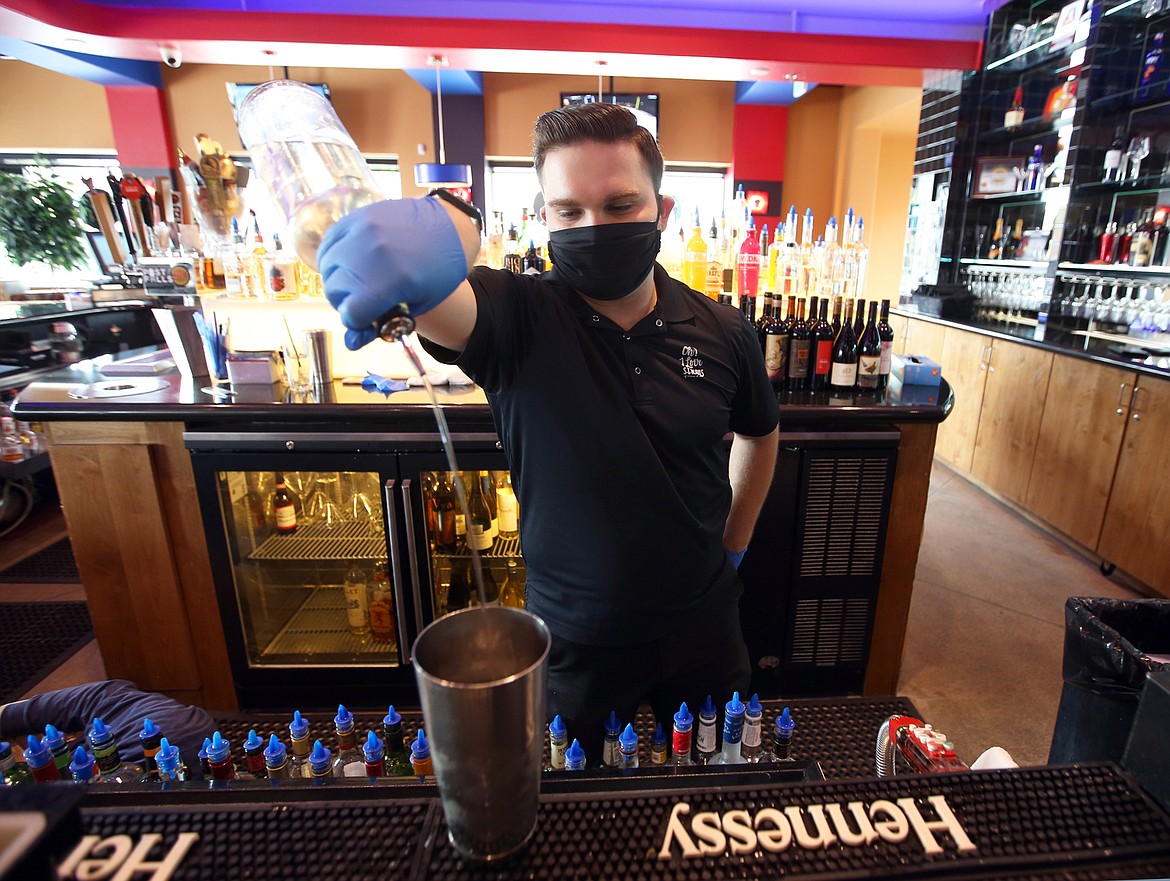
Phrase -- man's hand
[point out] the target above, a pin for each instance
(411, 251)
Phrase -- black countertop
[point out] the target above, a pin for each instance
(169, 397)
(1151, 361)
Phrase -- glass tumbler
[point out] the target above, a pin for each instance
(309, 163)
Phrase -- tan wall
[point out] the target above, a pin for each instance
(810, 162)
(45, 110)
(695, 118)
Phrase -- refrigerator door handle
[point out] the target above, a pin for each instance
(396, 569)
(411, 554)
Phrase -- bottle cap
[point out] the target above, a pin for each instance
(82, 765)
(629, 740)
(343, 720)
(734, 707)
(36, 754)
(659, 738)
(683, 718)
(219, 749)
(253, 741)
(392, 717)
(556, 728)
(784, 722)
(167, 758)
(320, 758)
(98, 730)
(206, 746)
(275, 753)
(298, 727)
(53, 739)
(373, 749)
(149, 730)
(613, 725)
(421, 748)
(574, 757)
(753, 708)
(708, 709)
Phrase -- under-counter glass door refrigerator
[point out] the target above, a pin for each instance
(327, 612)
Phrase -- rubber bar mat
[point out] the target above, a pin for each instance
(37, 638)
(51, 565)
(839, 733)
(1077, 821)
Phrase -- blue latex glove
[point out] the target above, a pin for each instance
(380, 255)
(375, 383)
(736, 557)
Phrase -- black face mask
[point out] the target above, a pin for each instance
(605, 262)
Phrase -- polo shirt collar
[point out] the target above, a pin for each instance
(672, 303)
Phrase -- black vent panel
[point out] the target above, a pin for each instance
(843, 532)
(830, 632)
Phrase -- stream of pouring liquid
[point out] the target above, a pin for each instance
(449, 449)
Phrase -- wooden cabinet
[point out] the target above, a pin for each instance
(1076, 453)
(1137, 520)
(900, 324)
(963, 358)
(1014, 392)
(924, 338)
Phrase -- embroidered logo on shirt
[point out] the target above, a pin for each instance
(692, 364)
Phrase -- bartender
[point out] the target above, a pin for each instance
(613, 387)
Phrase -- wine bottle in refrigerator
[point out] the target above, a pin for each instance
(284, 508)
(843, 375)
(447, 509)
(479, 529)
(869, 352)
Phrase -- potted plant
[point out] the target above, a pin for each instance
(39, 221)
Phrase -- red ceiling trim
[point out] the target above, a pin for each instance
(185, 24)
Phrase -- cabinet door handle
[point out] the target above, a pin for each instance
(395, 563)
(984, 357)
(1120, 395)
(411, 554)
(1133, 404)
(990, 355)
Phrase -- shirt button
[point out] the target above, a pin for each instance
(596, 317)
(627, 336)
(638, 370)
(658, 323)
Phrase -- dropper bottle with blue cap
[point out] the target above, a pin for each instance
(397, 753)
(558, 742)
(254, 756)
(55, 741)
(575, 757)
(320, 763)
(204, 766)
(82, 765)
(610, 749)
(277, 764)
(628, 748)
(219, 759)
(682, 737)
(753, 723)
(151, 738)
(168, 763)
(349, 761)
(782, 737)
(374, 755)
(39, 759)
(420, 756)
(659, 746)
(298, 733)
(705, 745)
(733, 713)
(111, 768)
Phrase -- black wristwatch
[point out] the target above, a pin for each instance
(463, 205)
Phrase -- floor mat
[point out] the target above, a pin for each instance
(52, 565)
(38, 637)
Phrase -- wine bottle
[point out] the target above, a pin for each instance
(798, 347)
(843, 375)
(836, 325)
(447, 508)
(775, 340)
(507, 509)
(886, 334)
(1014, 117)
(993, 250)
(821, 349)
(489, 495)
(859, 318)
(869, 352)
(1111, 167)
(284, 508)
(459, 589)
(479, 530)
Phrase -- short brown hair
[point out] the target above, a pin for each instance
(605, 123)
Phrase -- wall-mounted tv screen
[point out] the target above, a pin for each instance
(644, 105)
(237, 92)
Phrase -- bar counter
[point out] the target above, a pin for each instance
(123, 465)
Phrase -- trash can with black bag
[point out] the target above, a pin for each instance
(1109, 646)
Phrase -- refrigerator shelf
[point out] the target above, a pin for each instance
(319, 629)
(503, 547)
(351, 540)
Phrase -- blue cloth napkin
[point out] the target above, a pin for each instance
(375, 383)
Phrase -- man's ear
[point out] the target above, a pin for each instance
(665, 206)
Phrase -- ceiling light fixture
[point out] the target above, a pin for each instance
(440, 174)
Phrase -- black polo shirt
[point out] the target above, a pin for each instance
(615, 443)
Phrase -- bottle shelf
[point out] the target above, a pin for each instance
(1037, 265)
(348, 541)
(1016, 195)
(1118, 268)
(1031, 127)
(1147, 183)
(501, 548)
(319, 629)
(1035, 56)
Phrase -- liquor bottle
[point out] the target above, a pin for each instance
(219, 758)
(320, 764)
(479, 530)
(512, 593)
(782, 737)
(798, 351)
(694, 272)
(733, 713)
(681, 736)
(714, 278)
(80, 767)
(357, 603)
(747, 271)
(111, 768)
(821, 339)
(459, 590)
(397, 755)
(869, 352)
(169, 763)
(298, 733)
(507, 509)
(776, 347)
(55, 741)
(252, 266)
(1034, 170)
(420, 756)
(254, 761)
(374, 756)
(765, 246)
(659, 746)
(446, 506)
(11, 449)
(1006, 251)
(39, 761)
(1141, 247)
(753, 719)
(993, 249)
(380, 604)
(575, 757)
(257, 513)
(705, 742)
(1014, 117)
(280, 273)
(531, 263)
(1158, 249)
(609, 745)
(886, 334)
(150, 738)
(488, 486)
(1017, 246)
(1107, 246)
(1111, 167)
(349, 761)
(1152, 67)
(276, 761)
(284, 508)
(843, 374)
(628, 749)
(558, 741)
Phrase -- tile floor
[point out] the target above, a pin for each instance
(985, 637)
